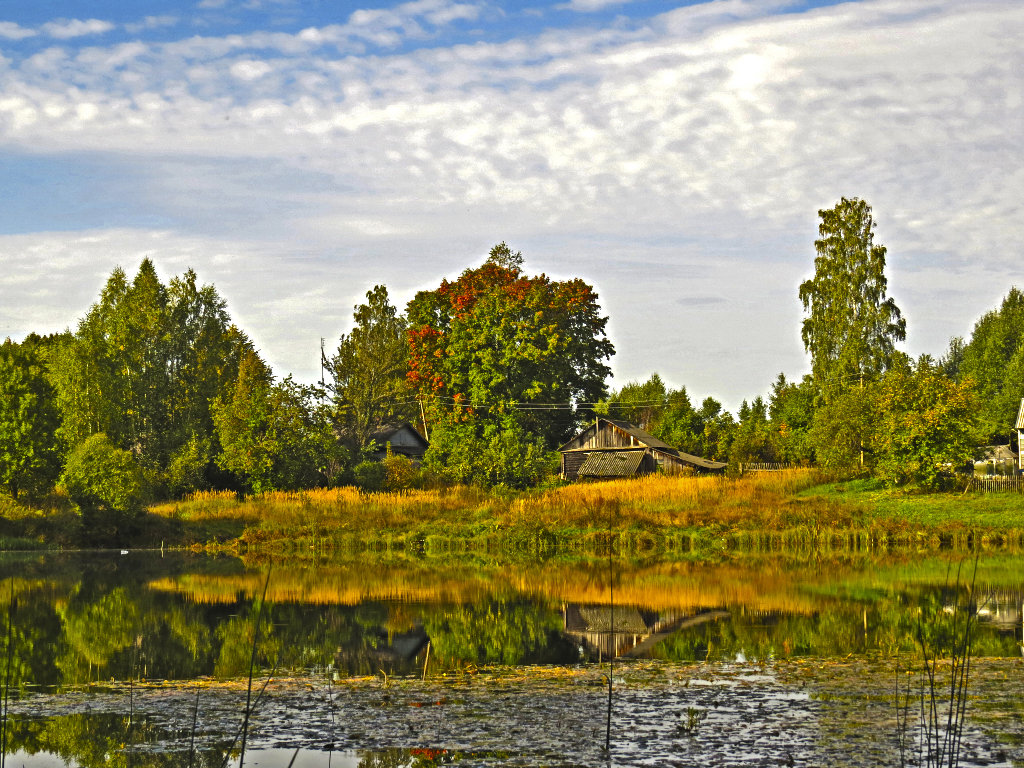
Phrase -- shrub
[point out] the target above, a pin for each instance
(107, 486)
(369, 475)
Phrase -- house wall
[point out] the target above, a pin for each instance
(672, 465)
(609, 436)
(571, 463)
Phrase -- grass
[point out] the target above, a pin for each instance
(799, 509)
(640, 508)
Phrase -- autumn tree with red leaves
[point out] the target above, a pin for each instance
(500, 346)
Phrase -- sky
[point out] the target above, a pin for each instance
(296, 153)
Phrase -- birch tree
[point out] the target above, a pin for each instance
(851, 326)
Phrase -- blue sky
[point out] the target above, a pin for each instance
(295, 153)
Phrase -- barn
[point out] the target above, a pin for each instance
(611, 448)
(403, 439)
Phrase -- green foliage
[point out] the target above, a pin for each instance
(107, 485)
(496, 340)
(791, 409)
(669, 415)
(369, 475)
(719, 429)
(482, 453)
(993, 360)
(29, 454)
(842, 430)
(274, 436)
(756, 439)
(143, 367)
(188, 468)
(851, 326)
(926, 426)
(368, 371)
(400, 473)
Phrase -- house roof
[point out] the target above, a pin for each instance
(619, 463)
(384, 433)
(1020, 416)
(996, 453)
(649, 441)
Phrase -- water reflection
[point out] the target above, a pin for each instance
(91, 618)
(83, 626)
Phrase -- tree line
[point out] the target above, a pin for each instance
(157, 393)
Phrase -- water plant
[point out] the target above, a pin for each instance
(946, 633)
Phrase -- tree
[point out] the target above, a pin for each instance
(487, 453)
(369, 371)
(993, 360)
(274, 436)
(30, 458)
(926, 426)
(791, 408)
(755, 439)
(143, 367)
(851, 326)
(719, 428)
(495, 342)
(107, 485)
(642, 404)
(664, 413)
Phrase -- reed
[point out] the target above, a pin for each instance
(943, 703)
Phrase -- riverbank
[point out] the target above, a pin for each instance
(799, 508)
(792, 509)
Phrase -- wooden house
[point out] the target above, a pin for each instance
(610, 448)
(403, 439)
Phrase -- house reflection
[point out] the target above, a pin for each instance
(603, 631)
(1003, 608)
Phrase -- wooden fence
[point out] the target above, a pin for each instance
(767, 467)
(995, 483)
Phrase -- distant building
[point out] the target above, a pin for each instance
(609, 448)
(404, 441)
(996, 460)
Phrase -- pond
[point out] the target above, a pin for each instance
(393, 659)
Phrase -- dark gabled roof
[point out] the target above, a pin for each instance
(384, 433)
(617, 463)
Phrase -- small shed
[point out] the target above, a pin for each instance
(404, 441)
(996, 460)
(610, 448)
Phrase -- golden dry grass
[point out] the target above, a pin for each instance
(663, 586)
(759, 502)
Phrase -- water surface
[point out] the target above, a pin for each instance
(412, 660)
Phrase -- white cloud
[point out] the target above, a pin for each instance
(69, 28)
(250, 69)
(590, 6)
(151, 22)
(711, 123)
(11, 31)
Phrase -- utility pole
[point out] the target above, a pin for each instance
(323, 361)
(423, 416)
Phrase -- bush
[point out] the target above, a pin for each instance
(107, 486)
(487, 455)
(186, 472)
(400, 473)
(369, 475)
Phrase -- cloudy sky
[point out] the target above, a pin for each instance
(674, 154)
